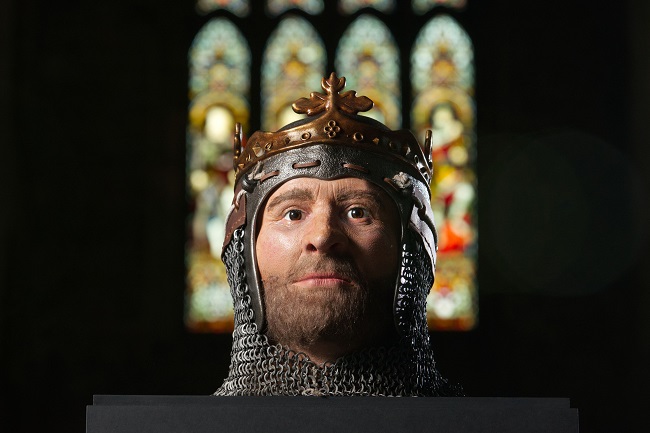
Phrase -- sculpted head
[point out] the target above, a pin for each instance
(332, 208)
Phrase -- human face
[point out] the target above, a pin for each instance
(327, 254)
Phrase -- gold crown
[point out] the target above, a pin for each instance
(335, 123)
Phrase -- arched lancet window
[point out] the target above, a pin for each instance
(293, 44)
(294, 59)
(368, 57)
(219, 80)
(442, 76)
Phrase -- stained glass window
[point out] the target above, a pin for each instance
(368, 57)
(423, 6)
(351, 6)
(276, 7)
(442, 77)
(222, 87)
(237, 7)
(293, 61)
(219, 80)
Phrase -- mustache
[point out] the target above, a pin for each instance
(340, 266)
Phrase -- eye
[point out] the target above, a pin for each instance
(357, 212)
(293, 215)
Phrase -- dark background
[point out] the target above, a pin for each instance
(92, 208)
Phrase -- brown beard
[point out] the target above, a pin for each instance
(300, 318)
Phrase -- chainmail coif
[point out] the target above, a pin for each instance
(406, 369)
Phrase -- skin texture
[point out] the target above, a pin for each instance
(327, 253)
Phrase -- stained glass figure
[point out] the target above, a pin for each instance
(241, 8)
(368, 57)
(276, 7)
(442, 76)
(294, 59)
(348, 7)
(423, 6)
(219, 68)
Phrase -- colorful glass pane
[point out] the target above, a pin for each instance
(442, 76)
(219, 68)
(294, 60)
(349, 7)
(368, 57)
(276, 7)
(423, 6)
(237, 7)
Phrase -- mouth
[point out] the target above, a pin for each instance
(323, 279)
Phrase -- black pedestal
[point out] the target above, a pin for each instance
(203, 414)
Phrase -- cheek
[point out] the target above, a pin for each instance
(381, 252)
(273, 252)
(265, 255)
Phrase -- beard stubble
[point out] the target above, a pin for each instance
(300, 317)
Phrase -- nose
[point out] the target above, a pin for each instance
(325, 234)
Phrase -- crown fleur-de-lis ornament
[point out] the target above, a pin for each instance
(348, 102)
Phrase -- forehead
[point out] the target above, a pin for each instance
(315, 189)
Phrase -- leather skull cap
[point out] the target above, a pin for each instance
(333, 142)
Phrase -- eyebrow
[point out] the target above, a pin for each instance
(359, 195)
(294, 194)
(302, 195)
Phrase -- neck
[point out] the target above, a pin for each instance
(322, 352)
